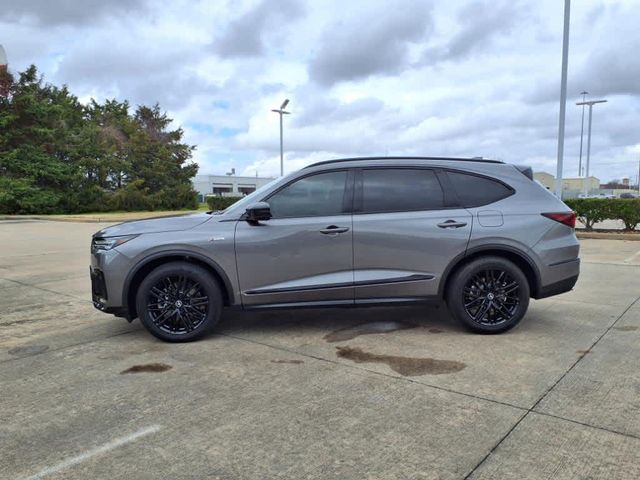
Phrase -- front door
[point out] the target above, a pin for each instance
(406, 231)
(304, 254)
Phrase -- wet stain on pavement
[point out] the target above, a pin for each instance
(407, 366)
(366, 329)
(148, 368)
(296, 362)
(27, 350)
(626, 328)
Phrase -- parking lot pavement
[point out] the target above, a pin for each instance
(344, 393)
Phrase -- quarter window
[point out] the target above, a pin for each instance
(398, 190)
(474, 191)
(314, 196)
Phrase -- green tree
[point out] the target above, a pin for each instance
(58, 155)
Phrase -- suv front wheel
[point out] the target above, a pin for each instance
(488, 295)
(179, 302)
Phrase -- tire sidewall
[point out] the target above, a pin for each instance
(455, 301)
(195, 272)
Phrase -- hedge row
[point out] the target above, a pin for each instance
(220, 203)
(593, 210)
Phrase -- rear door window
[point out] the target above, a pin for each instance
(475, 191)
(400, 190)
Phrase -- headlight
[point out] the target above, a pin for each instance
(107, 243)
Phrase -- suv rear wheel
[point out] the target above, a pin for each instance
(488, 295)
(179, 302)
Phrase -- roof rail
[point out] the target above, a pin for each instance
(338, 160)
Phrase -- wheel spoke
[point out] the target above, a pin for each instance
(177, 304)
(490, 297)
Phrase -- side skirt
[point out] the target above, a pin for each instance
(364, 302)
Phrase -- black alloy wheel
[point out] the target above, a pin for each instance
(488, 295)
(179, 301)
(177, 304)
(491, 297)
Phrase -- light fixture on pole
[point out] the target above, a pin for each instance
(584, 93)
(590, 103)
(563, 96)
(281, 112)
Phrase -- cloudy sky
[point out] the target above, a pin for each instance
(414, 77)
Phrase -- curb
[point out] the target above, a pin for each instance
(607, 235)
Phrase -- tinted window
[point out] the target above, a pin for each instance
(474, 191)
(313, 196)
(397, 190)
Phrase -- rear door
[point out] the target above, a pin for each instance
(407, 228)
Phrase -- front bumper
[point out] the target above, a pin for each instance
(100, 295)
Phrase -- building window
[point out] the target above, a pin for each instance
(246, 189)
(221, 190)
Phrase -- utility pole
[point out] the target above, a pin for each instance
(584, 93)
(281, 112)
(563, 96)
(590, 103)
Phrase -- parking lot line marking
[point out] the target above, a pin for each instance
(632, 257)
(94, 451)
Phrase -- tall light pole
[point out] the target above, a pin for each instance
(563, 96)
(4, 80)
(584, 94)
(590, 103)
(281, 112)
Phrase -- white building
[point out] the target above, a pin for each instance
(227, 185)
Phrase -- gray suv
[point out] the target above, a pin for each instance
(480, 234)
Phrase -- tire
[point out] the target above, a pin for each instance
(488, 295)
(179, 302)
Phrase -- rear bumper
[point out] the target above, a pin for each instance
(564, 277)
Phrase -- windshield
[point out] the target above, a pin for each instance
(249, 199)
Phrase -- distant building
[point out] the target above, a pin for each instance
(571, 186)
(227, 185)
(545, 179)
(579, 183)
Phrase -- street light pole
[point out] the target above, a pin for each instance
(281, 112)
(584, 94)
(590, 103)
(563, 96)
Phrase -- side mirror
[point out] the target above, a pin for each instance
(258, 211)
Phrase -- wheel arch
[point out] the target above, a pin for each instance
(521, 259)
(142, 269)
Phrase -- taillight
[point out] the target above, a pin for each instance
(566, 218)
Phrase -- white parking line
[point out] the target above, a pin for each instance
(632, 257)
(94, 451)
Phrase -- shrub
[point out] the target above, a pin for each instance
(220, 203)
(593, 210)
(590, 210)
(627, 210)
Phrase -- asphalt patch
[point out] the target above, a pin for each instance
(27, 350)
(406, 366)
(350, 333)
(148, 368)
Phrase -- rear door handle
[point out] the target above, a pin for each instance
(452, 224)
(331, 229)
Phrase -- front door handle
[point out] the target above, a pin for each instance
(331, 229)
(452, 224)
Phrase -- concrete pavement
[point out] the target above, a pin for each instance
(283, 395)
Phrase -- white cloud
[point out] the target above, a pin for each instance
(367, 77)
